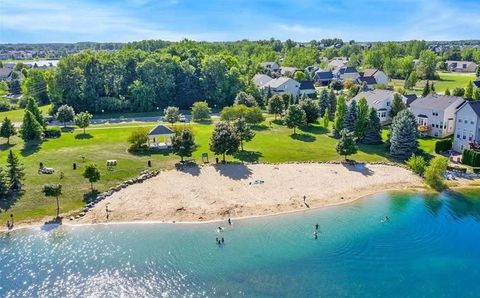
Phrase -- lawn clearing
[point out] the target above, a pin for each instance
(450, 80)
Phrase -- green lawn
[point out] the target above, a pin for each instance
(271, 145)
(17, 115)
(449, 80)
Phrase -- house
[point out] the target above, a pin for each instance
(476, 83)
(461, 66)
(5, 73)
(337, 62)
(288, 71)
(435, 114)
(307, 89)
(283, 85)
(467, 126)
(410, 98)
(159, 133)
(381, 100)
(346, 73)
(370, 81)
(270, 66)
(261, 79)
(380, 76)
(323, 78)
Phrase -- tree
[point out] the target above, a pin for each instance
(397, 105)
(447, 92)
(434, 173)
(245, 99)
(427, 63)
(311, 110)
(7, 129)
(82, 120)
(323, 102)
(326, 119)
(411, 81)
(417, 164)
(403, 135)
(252, 115)
(340, 112)
(361, 123)
(15, 172)
(476, 94)
(300, 76)
(346, 144)
(243, 131)
(138, 138)
(183, 144)
(53, 190)
(468, 91)
(224, 140)
(426, 89)
(91, 173)
(295, 117)
(458, 92)
(336, 85)
(65, 114)
(3, 185)
(332, 101)
(276, 106)
(30, 130)
(33, 108)
(201, 111)
(373, 133)
(350, 117)
(35, 85)
(172, 115)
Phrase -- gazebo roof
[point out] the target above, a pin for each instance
(161, 130)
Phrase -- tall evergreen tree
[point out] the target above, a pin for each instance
(350, 117)
(7, 129)
(33, 108)
(323, 102)
(295, 117)
(15, 172)
(332, 100)
(3, 185)
(346, 144)
(341, 110)
(30, 130)
(426, 89)
(361, 122)
(374, 129)
(397, 105)
(476, 94)
(468, 91)
(403, 135)
(311, 110)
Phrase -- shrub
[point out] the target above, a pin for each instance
(201, 111)
(471, 158)
(138, 138)
(443, 145)
(476, 170)
(457, 169)
(417, 164)
(251, 115)
(52, 132)
(434, 172)
(5, 105)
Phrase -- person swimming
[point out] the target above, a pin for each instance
(223, 240)
(315, 235)
(317, 226)
(219, 229)
(229, 221)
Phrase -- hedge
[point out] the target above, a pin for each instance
(457, 169)
(52, 132)
(476, 170)
(471, 158)
(443, 145)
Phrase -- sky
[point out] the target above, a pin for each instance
(43, 21)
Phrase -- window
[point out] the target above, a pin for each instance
(471, 122)
(459, 120)
(466, 121)
(458, 136)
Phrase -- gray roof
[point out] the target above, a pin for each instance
(275, 83)
(285, 69)
(475, 105)
(5, 71)
(374, 97)
(410, 98)
(261, 79)
(436, 102)
(323, 75)
(160, 130)
(368, 80)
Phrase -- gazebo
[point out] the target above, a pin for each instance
(157, 135)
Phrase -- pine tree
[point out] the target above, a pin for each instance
(403, 135)
(323, 102)
(362, 118)
(341, 110)
(33, 108)
(183, 145)
(30, 130)
(332, 100)
(3, 185)
(15, 172)
(243, 131)
(447, 92)
(7, 129)
(346, 144)
(350, 116)
(468, 91)
(374, 129)
(326, 119)
(432, 87)
(476, 94)
(397, 105)
(426, 89)
(295, 117)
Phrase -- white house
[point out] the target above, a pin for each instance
(261, 79)
(283, 85)
(337, 62)
(270, 66)
(467, 125)
(381, 100)
(380, 76)
(436, 114)
(347, 73)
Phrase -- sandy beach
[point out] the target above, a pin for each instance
(218, 192)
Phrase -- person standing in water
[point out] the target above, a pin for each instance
(317, 226)
(229, 221)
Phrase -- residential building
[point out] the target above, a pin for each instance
(323, 78)
(261, 79)
(381, 100)
(435, 114)
(270, 66)
(5, 73)
(461, 66)
(288, 71)
(346, 73)
(467, 126)
(410, 98)
(380, 76)
(307, 89)
(370, 81)
(476, 83)
(283, 85)
(337, 62)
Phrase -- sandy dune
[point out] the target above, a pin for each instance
(236, 190)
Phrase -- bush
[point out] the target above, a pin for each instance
(471, 158)
(443, 145)
(5, 105)
(111, 104)
(52, 132)
(417, 164)
(22, 102)
(251, 115)
(457, 169)
(476, 170)
(434, 172)
(201, 111)
(138, 138)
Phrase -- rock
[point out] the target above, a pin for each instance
(72, 218)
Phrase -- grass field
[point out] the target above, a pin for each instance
(103, 142)
(17, 115)
(449, 80)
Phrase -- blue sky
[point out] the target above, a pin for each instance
(217, 20)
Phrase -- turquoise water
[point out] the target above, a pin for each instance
(429, 248)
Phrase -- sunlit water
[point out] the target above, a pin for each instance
(430, 247)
